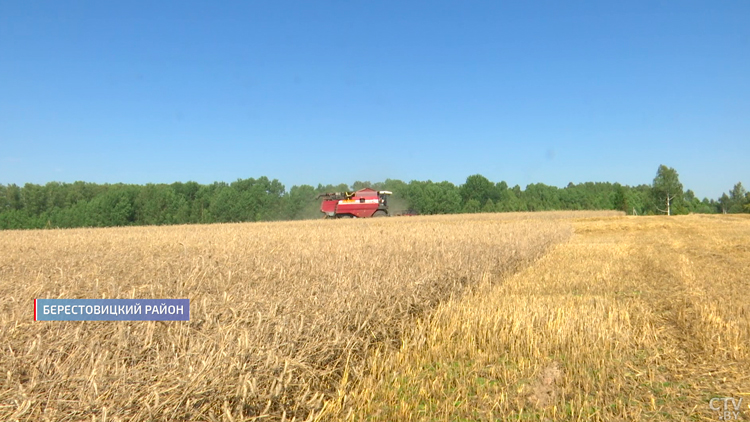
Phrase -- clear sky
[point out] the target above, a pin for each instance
(333, 92)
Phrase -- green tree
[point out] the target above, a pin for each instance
(640, 199)
(396, 186)
(34, 200)
(83, 192)
(342, 187)
(472, 206)
(56, 194)
(361, 185)
(479, 188)
(737, 199)
(13, 196)
(518, 202)
(506, 198)
(724, 203)
(159, 204)
(620, 201)
(16, 219)
(434, 198)
(667, 191)
(4, 203)
(301, 203)
(541, 197)
(222, 206)
(113, 208)
(489, 206)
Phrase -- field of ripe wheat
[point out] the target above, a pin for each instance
(537, 316)
(634, 318)
(284, 315)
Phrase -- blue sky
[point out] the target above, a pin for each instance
(332, 92)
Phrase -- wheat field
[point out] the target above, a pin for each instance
(634, 318)
(537, 316)
(282, 314)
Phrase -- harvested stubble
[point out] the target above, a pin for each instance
(634, 318)
(282, 314)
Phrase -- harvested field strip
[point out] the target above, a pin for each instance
(281, 313)
(634, 318)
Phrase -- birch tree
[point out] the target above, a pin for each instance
(667, 189)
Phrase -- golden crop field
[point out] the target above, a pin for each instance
(634, 318)
(561, 316)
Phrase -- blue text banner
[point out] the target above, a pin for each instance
(112, 309)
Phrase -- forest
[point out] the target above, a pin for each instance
(82, 204)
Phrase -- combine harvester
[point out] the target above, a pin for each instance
(360, 204)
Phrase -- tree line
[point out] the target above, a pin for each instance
(82, 204)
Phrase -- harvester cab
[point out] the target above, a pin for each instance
(363, 203)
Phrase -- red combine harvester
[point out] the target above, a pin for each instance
(360, 204)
